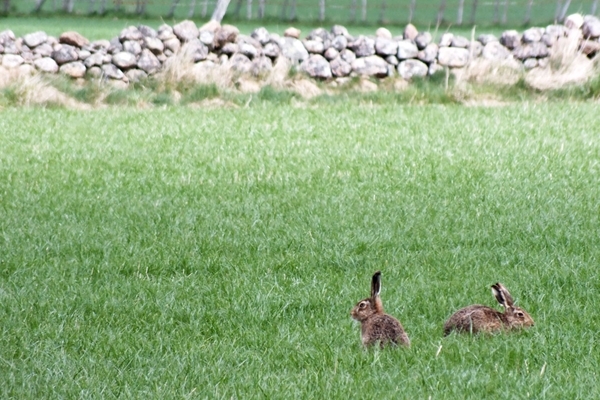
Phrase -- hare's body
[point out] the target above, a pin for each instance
(383, 328)
(376, 325)
(479, 318)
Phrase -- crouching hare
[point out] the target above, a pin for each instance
(478, 318)
(377, 326)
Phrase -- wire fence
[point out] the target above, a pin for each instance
(396, 12)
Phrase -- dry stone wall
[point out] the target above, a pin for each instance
(322, 54)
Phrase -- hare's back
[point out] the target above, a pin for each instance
(473, 319)
(384, 328)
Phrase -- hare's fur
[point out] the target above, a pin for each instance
(478, 318)
(376, 325)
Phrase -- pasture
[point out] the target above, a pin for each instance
(188, 252)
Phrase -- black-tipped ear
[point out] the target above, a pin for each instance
(376, 284)
(502, 295)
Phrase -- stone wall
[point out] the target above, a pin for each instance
(322, 54)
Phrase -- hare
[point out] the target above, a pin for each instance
(376, 326)
(478, 318)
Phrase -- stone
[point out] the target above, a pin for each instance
(340, 30)
(574, 21)
(115, 46)
(408, 69)
(446, 39)
(7, 35)
(132, 46)
(293, 49)
(12, 60)
(340, 67)
(130, 33)
(362, 46)
(241, 63)
(495, 51)
(230, 49)
(261, 65)
(248, 50)
(331, 53)
(319, 34)
(154, 44)
(94, 59)
(172, 45)
(65, 54)
(590, 27)
(347, 55)
(475, 48)
(101, 44)
(74, 39)
(207, 37)
(487, 38)
(83, 54)
(225, 34)
(316, 66)
(434, 68)
(530, 63)
(111, 71)
(147, 32)
(195, 49)
(590, 48)
(339, 43)
(386, 46)
(94, 72)
(370, 66)
(531, 50)
(555, 30)
(124, 60)
(453, 57)
(271, 50)
(410, 32)
(43, 50)
(314, 46)
(407, 49)
(46, 64)
(136, 75)
(429, 53)
(186, 30)
(532, 35)
(292, 32)
(460, 41)
(74, 69)
(148, 62)
(383, 33)
(165, 32)
(423, 39)
(262, 35)
(510, 39)
(35, 39)
(211, 26)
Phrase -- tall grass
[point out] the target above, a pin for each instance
(211, 253)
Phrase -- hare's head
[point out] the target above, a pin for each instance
(371, 305)
(516, 317)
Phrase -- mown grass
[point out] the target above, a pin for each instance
(211, 253)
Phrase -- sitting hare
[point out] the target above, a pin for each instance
(376, 326)
(478, 318)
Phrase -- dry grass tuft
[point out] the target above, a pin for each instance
(33, 90)
(567, 66)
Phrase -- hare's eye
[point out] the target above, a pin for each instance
(520, 314)
(362, 305)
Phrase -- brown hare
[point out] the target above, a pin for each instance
(478, 318)
(377, 326)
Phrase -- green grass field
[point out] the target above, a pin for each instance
(211, 253)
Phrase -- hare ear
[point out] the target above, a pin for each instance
(376, 285)
(502, 295)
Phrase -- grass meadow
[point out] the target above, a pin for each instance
(208, 253)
